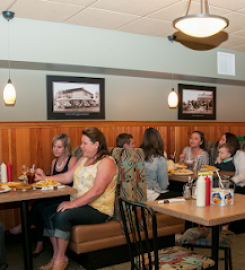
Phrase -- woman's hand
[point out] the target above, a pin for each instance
(65, 205)
(39, 175)
(182, 157)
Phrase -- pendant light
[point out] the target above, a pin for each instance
(9, 92)
(200, 25)
(173, 98)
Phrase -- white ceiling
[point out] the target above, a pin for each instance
(146, 17)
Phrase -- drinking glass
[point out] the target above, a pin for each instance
(225, 182)
(24, 170)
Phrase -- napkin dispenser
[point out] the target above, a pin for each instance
(222, 197)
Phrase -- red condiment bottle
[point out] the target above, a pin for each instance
(9, 172)
(208, 190)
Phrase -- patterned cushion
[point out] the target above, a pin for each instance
(173, 258)
(202, 236)
(76, 151)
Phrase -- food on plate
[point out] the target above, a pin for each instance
(181, 171)
(4, 187)
(170, 162)
(209, 168)
(181, 165)
(46, 183)
(13, 184)
(24, 187)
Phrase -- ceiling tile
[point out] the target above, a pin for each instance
(6, 4)
(135, 7)
(83, 3)
(228, 4)
(146, 26)
(236, 22)
(126, 15)
(177, 10)
(233, 40)
(101, 18)
(44, 10)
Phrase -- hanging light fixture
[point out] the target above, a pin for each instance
(9, 92)
(173, 99)
(200, 25)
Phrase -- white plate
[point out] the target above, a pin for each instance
(22, 177)
(182, 173)
(36, 186)
(6, 189)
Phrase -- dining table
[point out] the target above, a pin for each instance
(177, 181)
(212, 216)
(24, 197)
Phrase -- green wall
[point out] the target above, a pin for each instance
(137, 70)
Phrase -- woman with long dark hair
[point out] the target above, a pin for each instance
(156, 167)
(196, 151)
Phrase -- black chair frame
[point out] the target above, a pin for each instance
(138, 238)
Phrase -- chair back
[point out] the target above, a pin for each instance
(142, 245)
(131, 176)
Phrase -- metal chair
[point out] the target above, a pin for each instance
(140, 228)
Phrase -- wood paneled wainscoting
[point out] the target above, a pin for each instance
(30, 142)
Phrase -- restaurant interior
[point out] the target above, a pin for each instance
(130, 44)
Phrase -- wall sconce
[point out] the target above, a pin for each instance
(200, 25)
(173, 99)
(9, 92)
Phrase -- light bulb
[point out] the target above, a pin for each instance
(173, 99)
(9, 94)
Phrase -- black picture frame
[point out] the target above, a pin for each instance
(75, 98)
(196, 102)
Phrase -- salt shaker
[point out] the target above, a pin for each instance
(187, 192)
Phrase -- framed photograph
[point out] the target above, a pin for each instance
(75, 98)
(196, 102)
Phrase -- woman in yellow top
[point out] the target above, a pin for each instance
(95, 177)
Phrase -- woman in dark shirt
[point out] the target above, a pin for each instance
(63, 161)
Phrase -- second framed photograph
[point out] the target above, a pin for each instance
(75, 98)
(196, 102)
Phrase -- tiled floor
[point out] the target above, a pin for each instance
(15, 256)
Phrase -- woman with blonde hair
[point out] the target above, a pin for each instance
(63, 161)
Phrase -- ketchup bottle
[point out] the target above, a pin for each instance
(9, 172)
(208, 189)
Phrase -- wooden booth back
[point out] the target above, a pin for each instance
(30, 142)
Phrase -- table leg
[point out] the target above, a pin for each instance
(26, 235)
(215, 245)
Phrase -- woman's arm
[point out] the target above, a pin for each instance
(63, 178)
(162, 173)
(105, 172)
(203, 159)
(239, 162)
(52, 166)
(182, 157)
(72, 162)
